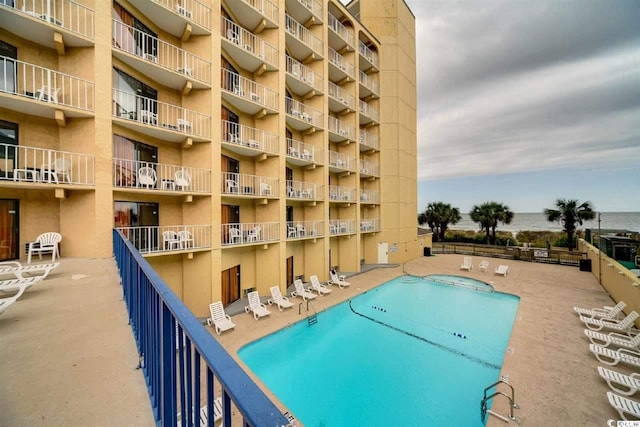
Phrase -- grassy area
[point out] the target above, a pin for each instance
(536, 239)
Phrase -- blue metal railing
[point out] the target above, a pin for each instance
(173, 345)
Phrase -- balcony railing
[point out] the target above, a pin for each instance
(369, 54)
(370, 225)
(369, 168)
(192, 10)
(342, 226)
(301, 150)
(304, 229)
(369, 111)
(315, 6)
(240, 184)
(156, 51)
(245, 136)
(341, 95)
(342, 161)
(248, 233)
(341, 62)
(168, 238)
(248, 89)
(266, 7)
(20, 163)
(303, 112)
(159, 114)
(340, 29)
(249, 42)
(341, 128)
(303, 34)
(304, 74)
(368, 82)
(45, 85)
(158, 176)
(68, 14)
(369, 196)
(369, 139)
(169, 338)
(342, 194)
(302, 190)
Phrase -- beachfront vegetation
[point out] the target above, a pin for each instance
(438, 216)
(533, 239)
(569, 213)
(488, 215)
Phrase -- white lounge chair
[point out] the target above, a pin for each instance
(319, 287)
(467, 264)
(5, 303)
(607, 313)
(624, 325)
(484, 265)
(219, 319)
(612, 357)
(204, 415)
(624, 406)
(277, 298)
(255, 306)
(301, 291)
(613, 339)
(46, 242)
(18, 270)
(615, 379)
(13, 285)
(502, 269)
(337, 280)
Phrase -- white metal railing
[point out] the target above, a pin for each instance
(167, 238)
(342, 226)
(45, 85)
(265, 7)
(369, 168)
(341, 95)
(68, 14)
(248, 41)
(249, 233)
(156, 51)
(341, 62)
(369, 54)
(342, 161)
(240, 184)
(368, 82)
(301, 150)
(341, 128)
(303, 34)
(20, 163)
(248, 89)
(302, 190)
(343, 194)
(369, 111)
(369, 196)
(235, 133)
(369, 225)
(304, 73)
(315, 6)
(303, 229)
(158, 176)
(303, 112)
(159, 114)
(340, 29)
(192, 10)
(369, 139)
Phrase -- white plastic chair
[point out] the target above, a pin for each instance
(235, 235)
(170, 240)
(265, 189)
(254, 234)
(624, 406)
(337, 280)
(219, 319)
(5, 303)
(46, 242)
(484, 266)
(185, 238)
(301, 291)
(300, 230)
(319, 287)
(16, 269)
(467, 264)
(147, 177)
(232, 186)
(604, 313)
(255, 306)
(47, 93)
(277, 298)
(502, 269)
(182, 179)
(291, 232)
(59, 170)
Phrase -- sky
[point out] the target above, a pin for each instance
(524, 102)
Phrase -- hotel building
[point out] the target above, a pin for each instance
(238, 143)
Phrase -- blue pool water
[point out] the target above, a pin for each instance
(392, 356)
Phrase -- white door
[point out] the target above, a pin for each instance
(383, 253)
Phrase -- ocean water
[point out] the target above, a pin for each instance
(534, 221)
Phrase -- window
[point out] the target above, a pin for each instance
(8, 148)
(8, 71)
(129, 157)
(143, 217)
(133, 96)
(135, 38)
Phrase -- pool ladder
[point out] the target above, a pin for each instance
(511, 397)
(312, 318)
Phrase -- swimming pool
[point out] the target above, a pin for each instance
(409, 352)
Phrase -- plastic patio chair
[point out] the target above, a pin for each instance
(46, 242)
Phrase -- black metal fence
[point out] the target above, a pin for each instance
(551, 256)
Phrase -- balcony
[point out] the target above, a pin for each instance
(249, 186)
(342, 194)
(368, 114)
(370, 225)
(369, 169)
(340, 131)
(177, 17)
(249, 233)
(33, 167)
(250, 13)
(248, 141)
(339, 163)
(302, 80)
(302, 117)
(159, 119)
(340, 36)
(39, 91)
(341, 226)
(302, 154)
(247, 95)
(368, 86)
(249, 51)
(158, 240)
(339, 68)
(301, 42)
(161, 61)
(299, 230)
(368, 58)
(39, 20)
(369, 197)
(158, 177)
(339, 99)
(305, 10)
(305, 191)
(368, 141)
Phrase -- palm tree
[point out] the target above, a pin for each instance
(438, 216)
(488, 215)
(568, 213)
